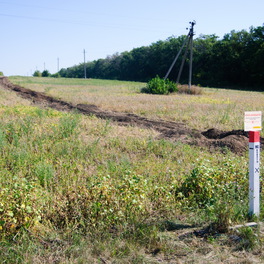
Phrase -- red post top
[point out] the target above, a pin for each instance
(254, 136)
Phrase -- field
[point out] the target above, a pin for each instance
(106, 174)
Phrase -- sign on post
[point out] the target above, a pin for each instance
(253, 124)
(252, 121)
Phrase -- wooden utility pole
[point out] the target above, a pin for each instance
(189, 38)
(191, 54)
(84, 64)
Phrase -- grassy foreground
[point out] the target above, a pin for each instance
(77, 189)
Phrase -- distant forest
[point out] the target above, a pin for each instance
(235, 61)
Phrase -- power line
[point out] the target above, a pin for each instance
(83, 12)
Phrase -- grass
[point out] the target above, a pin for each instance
(10, 99)
(77, 189)
(226, 107)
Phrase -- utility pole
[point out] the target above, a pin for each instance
(84, 65)
(191, 54)
(189, 38)
(58, 64)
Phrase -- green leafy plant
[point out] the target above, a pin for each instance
(18, 207)
(158, 85)
(206, 184)
(221, 192)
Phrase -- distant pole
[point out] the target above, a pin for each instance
(84, 64)
(191, 54)
(44, 66)
(58, 64)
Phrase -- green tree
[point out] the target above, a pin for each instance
(37, 74)
(237, 60)
(45, 73)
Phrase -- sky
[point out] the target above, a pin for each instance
(38, 35)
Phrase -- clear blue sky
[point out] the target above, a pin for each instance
(35, 34)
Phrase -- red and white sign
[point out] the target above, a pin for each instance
(252, 121)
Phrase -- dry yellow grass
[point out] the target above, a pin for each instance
(8, 98)
(218, 108)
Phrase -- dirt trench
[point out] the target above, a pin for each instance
(212, 139)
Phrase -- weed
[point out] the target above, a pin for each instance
(45, 173)
(66, 126)
(248, 238)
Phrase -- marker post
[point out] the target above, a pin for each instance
(253, 124)
(254, 171)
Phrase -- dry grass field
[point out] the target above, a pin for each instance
(79, 189)
(218, 108)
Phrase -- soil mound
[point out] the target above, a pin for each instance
(235, 140)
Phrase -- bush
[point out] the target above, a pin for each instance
(220, 192)
(194, 90)
(160, 86)
(37, 74)
(205, 185)
(1, 73)
(45, 73)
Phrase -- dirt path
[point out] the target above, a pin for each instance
(236, 140)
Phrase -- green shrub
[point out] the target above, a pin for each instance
(37, 74)
(220, 193)
(160, 86)
(206, 184)
(45, 73)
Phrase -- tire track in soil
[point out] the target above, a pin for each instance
(213, 139)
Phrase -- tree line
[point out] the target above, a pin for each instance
(236, 60)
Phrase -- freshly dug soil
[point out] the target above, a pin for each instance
(214, 139)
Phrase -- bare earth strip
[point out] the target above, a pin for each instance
(235, 140)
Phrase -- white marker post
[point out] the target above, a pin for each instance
(253, 125)
(254, 166)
